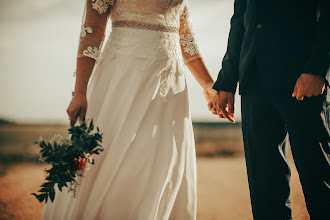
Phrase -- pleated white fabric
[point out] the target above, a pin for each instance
(137, 96)
(148, 168)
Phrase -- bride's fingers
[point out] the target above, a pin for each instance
(72, 121)
(69, 112)
(210, 105)
(214, 110)
(82, 115)
(73, 117)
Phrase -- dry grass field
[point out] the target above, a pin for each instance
(222, 182)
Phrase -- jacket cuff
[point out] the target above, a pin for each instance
(225, 85)
(316, 69)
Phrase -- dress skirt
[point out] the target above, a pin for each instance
(137, 96)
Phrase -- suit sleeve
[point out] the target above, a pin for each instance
(229, 74)
(319, 61)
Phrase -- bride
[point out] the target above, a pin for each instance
(137, 96)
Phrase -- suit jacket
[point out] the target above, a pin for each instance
(284, 38)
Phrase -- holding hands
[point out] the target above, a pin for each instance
(222, 105)
(209, 92)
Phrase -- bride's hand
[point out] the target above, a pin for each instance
(209, 92)
(77, 107)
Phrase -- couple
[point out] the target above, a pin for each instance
(137, 96)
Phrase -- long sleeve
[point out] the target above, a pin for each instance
(188, 44)
(318, 62)
(229, 74)
(93, 29)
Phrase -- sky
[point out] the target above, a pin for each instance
(38, 47)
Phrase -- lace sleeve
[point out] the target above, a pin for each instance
(93, 27)
(188, 44)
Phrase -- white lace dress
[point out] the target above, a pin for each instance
(137, 96)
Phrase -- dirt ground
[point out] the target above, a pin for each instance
(222, 191)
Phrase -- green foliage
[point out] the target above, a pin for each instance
(63, 156)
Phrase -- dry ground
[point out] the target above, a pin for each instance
(222, 191)
(222, 182)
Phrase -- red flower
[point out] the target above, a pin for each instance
(77, 164)
(81, 163)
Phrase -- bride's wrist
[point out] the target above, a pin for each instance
(207, 85)
(79, 94)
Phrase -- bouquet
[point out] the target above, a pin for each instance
(68, 158)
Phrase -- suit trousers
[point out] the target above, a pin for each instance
(267, 118)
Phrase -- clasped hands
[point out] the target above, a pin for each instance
(220, 103)
(307, 85)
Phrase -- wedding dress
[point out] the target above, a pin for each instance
(137, 96)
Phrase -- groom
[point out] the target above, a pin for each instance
(278, 51)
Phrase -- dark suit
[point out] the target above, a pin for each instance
(283, 36)
(271, 43)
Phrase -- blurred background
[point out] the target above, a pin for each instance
(38, 46)
(38, 49)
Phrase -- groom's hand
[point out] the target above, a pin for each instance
(308, 85)
(223, 105)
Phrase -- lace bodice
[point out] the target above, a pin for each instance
(169, 13)
(170, 40)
